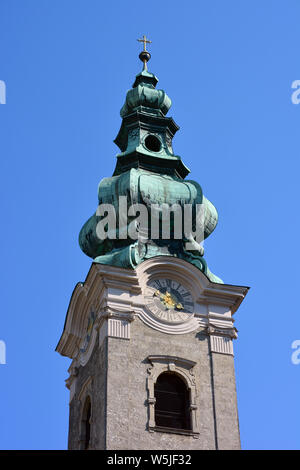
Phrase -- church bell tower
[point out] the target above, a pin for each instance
(150, 331)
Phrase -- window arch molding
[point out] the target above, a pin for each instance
(184, 369)
(86, 413)
(86, 419)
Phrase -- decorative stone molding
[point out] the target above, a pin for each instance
(221, 339)
(104, 287)
(182, 367)
(176, 329)
(222, 345)
(221, 299)
(117, 323)
(230, 332)
(71, 380)
(117, 296)
(118, 329)
(118, 314)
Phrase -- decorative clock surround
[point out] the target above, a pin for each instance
(169, 295)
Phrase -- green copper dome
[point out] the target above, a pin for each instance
(148, 175)
(145, 94)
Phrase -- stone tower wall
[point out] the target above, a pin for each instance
(116, 377)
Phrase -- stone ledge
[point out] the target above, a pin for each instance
(184, 432)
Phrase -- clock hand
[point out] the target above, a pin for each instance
(179, 306)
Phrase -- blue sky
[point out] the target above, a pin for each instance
(228, 68)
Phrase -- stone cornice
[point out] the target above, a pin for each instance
(117, 294)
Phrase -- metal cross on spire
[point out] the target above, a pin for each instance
(145, 55)
(145, 41)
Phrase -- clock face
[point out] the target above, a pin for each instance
(169, 300)
(91, 321)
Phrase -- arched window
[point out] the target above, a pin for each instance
(172, 404)
(86, 424)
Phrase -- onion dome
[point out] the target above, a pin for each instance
(145, 94)
(148, 174)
